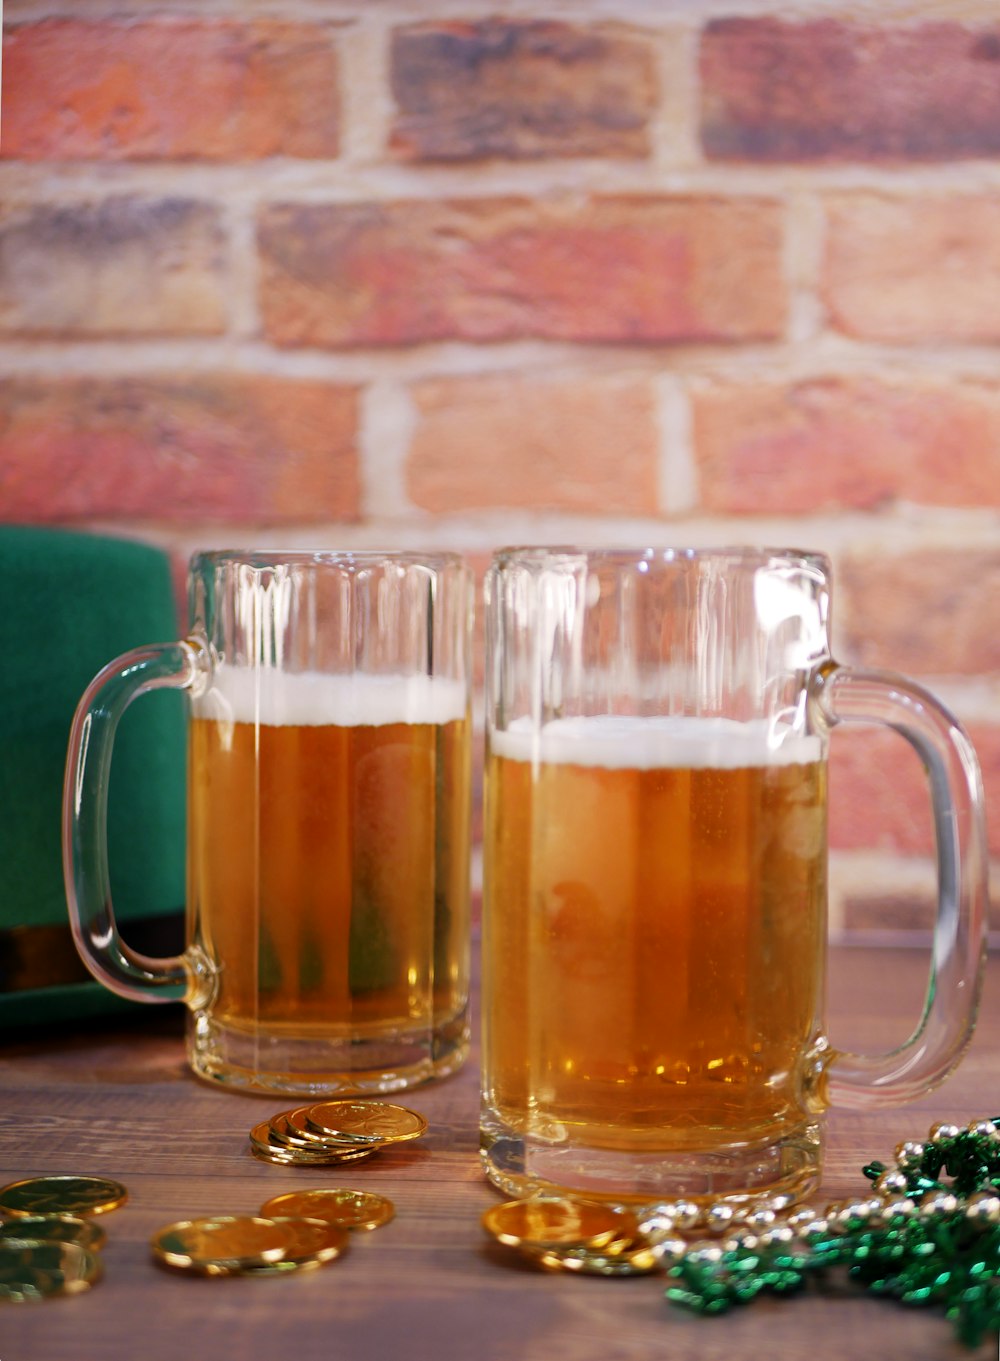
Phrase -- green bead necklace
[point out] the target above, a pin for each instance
(927, 1234)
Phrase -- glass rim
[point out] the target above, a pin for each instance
(264, 558)
(739, 555)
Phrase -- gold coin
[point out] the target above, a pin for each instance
(552, 1222)
(622, 1257)
(55, 1229)
(264, 1137)
(366, 1121)
(300, 1127)
(293, 1158)
(285, 1132)
(269, 1146)
(31, 1269)
(285, 1267)
(292, 1128)
(336, 1204)
(313, 1243)
(284, 1157)
(220, 1244)
(62, 1195)
(310, 1238)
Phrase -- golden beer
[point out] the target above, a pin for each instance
(653, 939)
(328, 853)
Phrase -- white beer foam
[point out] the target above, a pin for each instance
(667, 742)
(313, 699)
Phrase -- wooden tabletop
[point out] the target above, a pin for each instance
(117, 1101)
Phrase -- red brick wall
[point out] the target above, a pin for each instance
(314, 272)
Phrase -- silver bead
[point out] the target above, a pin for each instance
(899, 1207)
(985, 1129)
(943, 1132)
(707, 1255)
(983, 1208)
(760, 1218)
(854, 1213)
(719, 1217)
(778, 1235)
(936, 1203)
(891, 1183)
(781, 1200)
(805, 1214)
(686, 1214)
(657, 1226)
(669, 1250)
(835, 1215)
(909, 1153)
(814, 1228)
(663, 1209)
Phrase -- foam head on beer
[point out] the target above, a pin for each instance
(314, 699)
(658, 742)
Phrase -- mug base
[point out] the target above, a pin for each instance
(521, 1165)
(317, 1066)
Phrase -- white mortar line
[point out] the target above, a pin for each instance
(366, 98)
(678, 480)
(674, 127)
(805, 225)
(386, 430)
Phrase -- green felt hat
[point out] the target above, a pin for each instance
(70, 604)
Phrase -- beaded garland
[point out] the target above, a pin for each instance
(928, 1235)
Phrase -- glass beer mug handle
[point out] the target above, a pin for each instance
(85, 818)
(843, 694)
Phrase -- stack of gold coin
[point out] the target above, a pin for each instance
(296, 1231)
(568, 1234)
(346, 1130)
(48, 1244)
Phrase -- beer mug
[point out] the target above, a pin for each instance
(328, 820)
(655, 875)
